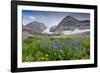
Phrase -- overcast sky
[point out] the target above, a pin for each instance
(50, 18)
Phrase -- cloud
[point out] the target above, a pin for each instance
(31, 17)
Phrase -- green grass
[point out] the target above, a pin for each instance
(50, 48)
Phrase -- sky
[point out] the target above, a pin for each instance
(50, 18)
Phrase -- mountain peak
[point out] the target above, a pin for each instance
(70, 18)
(35, 22)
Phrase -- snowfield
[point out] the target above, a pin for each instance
(75, 32)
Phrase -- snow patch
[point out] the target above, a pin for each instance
(47, 31)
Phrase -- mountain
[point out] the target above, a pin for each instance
(33, 28)
(67, 26)
(85, 22)
(36, 27)
(70, 23)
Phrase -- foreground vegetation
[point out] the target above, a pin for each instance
(52, 48)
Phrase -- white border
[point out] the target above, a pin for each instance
(53, 63)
